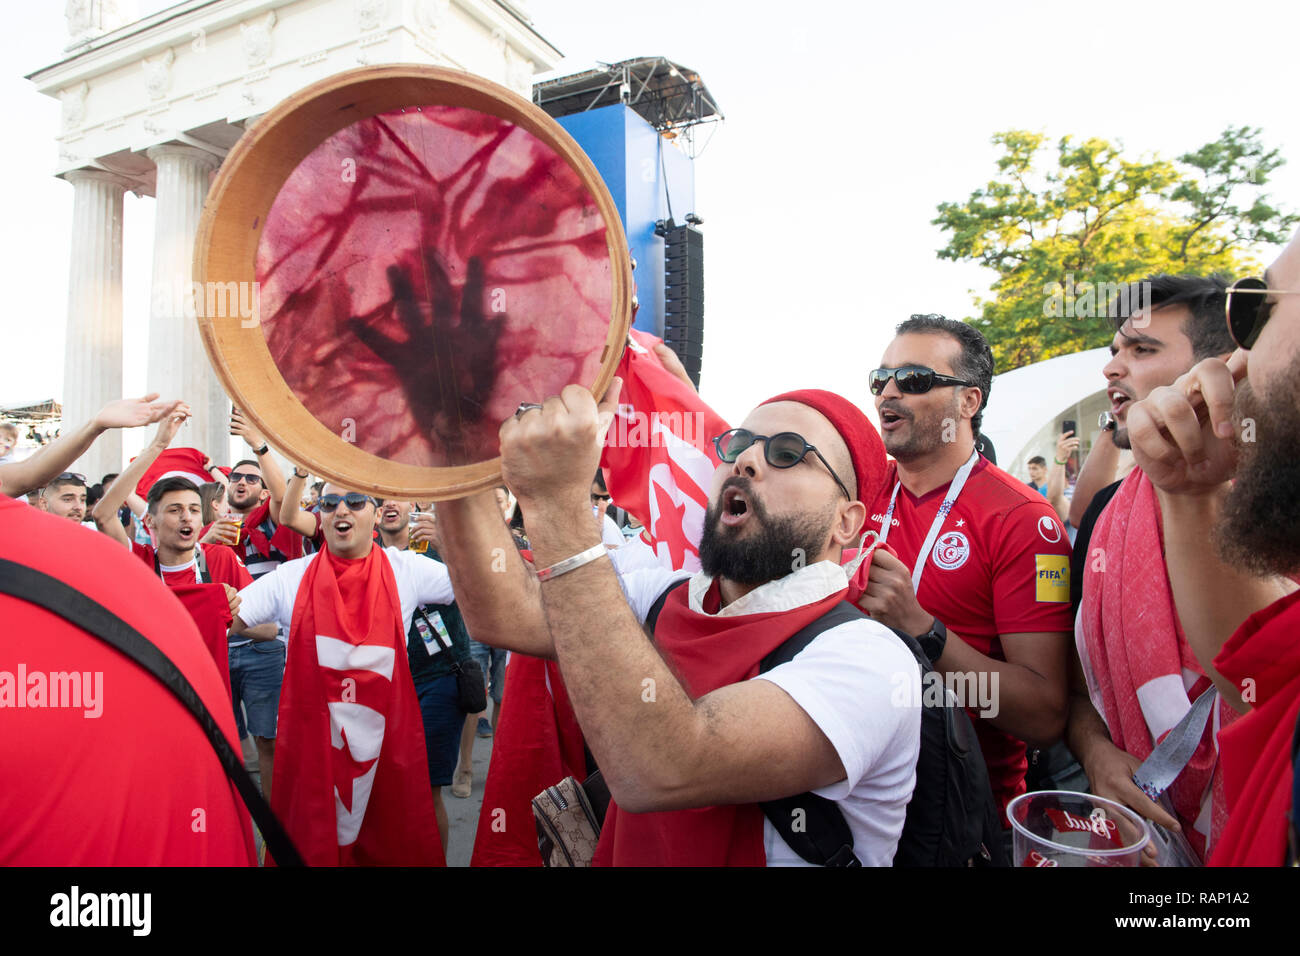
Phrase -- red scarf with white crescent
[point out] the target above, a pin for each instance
(351, 774)
(706, 652)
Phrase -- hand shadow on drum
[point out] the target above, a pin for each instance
(447, 369)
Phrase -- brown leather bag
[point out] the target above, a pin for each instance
(568, 817)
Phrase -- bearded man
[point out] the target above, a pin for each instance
(1225, 420)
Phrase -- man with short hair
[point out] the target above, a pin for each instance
(254, 493)
(65, 497)
(982, 573)
(1219, 447)
(1038, 474)
(174, 517)
(352, 774)
(689, 736)
(1136, 675)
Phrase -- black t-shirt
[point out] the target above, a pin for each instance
(1082, 537)
(441, 617)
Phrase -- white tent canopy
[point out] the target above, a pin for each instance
(1027, 405)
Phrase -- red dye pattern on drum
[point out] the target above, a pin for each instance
(423, 272)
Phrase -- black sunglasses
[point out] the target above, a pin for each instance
(353, 499)
(780, 451)
(70, 476)
(911, 379)
(245, 476)
(1249, 310)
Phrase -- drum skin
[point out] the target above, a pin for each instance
(427, 250)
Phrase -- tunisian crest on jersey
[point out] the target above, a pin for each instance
(951, 550)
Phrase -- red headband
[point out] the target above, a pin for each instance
(866, 450)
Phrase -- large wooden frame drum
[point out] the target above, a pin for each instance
(237, 209)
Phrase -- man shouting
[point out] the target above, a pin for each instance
(351, 775)
(688, 741)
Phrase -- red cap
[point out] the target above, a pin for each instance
(866, 450)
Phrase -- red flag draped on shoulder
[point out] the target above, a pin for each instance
(210, 608)
(659, 456)
(351, 776)
(174, 462)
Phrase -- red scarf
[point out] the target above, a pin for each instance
(1137, 653)
(351, 775)
(706, 652)
(537, 742)
(1256, 750)
(284, 539)
(210, 608)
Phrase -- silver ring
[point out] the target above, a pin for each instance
(525, 407)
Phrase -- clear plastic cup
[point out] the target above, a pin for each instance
(419, 547)
(1064, 828)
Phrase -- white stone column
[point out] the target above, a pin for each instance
(92, 353)
(178, 365)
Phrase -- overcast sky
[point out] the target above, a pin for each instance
(847, 123)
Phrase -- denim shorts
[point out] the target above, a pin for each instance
(256, 672)
(493, 662)
(443, 722)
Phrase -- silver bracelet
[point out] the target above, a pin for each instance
(577, 561)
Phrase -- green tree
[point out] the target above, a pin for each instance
(1063, 239)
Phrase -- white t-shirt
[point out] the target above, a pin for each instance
(849, 680)
(271, 597)
(610, 533)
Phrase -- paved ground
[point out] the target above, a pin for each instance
(462, 814)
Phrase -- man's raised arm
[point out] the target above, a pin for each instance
(56, 457)
(105, 511)
(1191, 462)
(290, 513)
(496, 592)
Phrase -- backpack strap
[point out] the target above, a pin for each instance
(652, 616)
(811, 825)
(59, 598)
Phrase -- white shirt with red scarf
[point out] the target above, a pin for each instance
(858, 682)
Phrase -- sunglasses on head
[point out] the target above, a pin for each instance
(236, 476)
(780, 451)
(1249, 310)
(353, 499)
(70, 476)
(911, 379)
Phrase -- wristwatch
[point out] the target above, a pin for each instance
(932, 641)
(263, 450)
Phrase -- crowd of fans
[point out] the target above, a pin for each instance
(1090, 614)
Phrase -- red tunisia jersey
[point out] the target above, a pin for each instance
(223, 563)
(109, 768)
(1000, 565)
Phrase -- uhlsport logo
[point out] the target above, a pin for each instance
(951, 550)
(1049, 530)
